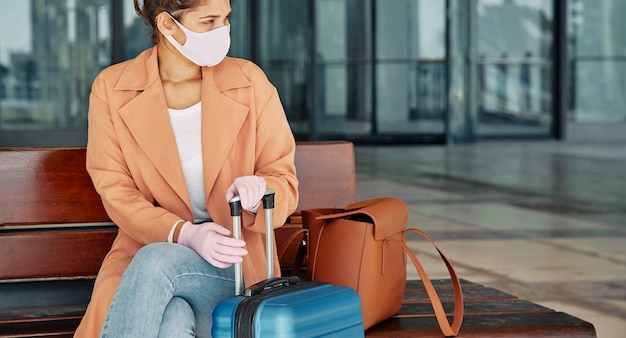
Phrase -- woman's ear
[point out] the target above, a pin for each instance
(165, 24)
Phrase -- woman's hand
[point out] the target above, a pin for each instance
(250, 189)
(213, 242)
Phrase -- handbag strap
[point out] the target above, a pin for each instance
(447, 329)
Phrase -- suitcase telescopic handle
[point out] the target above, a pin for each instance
(268, 205)
(236, 212)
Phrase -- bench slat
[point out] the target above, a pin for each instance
(53, 254)
(42, 186)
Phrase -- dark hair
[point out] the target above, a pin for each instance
(149, 9)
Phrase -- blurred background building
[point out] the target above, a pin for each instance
(368, 71)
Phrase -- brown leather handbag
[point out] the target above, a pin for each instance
(363, 246)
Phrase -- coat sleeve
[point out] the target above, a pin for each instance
(275, 154)
(125, 204)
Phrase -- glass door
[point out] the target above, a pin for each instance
(410, 67)
(343, 68)
(380, 69)
(512, 58)
(283, 46)
(596, 49)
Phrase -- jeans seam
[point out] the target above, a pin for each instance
(173, 281)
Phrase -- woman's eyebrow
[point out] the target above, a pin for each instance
(213, 16)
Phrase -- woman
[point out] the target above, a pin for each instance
(173, 134)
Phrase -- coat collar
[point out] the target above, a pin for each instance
(147, 118)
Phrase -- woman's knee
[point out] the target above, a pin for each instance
(161, 258)
(160, 252)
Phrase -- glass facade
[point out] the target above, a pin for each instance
(358, 69)
(362, 70)
(50, 51)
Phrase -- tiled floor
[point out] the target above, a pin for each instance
(545, 221)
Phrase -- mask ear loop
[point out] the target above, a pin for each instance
(180, 25)
(162, 26)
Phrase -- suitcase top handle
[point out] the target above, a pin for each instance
(271, 284)
(235, 203)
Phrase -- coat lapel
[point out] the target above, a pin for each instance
(222, 117)
(147, 118)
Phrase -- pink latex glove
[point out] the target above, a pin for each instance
(212, 242)
(250, 189)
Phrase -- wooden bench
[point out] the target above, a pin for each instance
(54, 234)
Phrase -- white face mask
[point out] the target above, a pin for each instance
(203, 49)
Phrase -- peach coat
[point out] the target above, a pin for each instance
(133, 161)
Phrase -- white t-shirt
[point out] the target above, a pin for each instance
(187, 130)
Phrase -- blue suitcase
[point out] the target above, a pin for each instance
(285, 307)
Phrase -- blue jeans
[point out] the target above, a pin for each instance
(168, 290)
